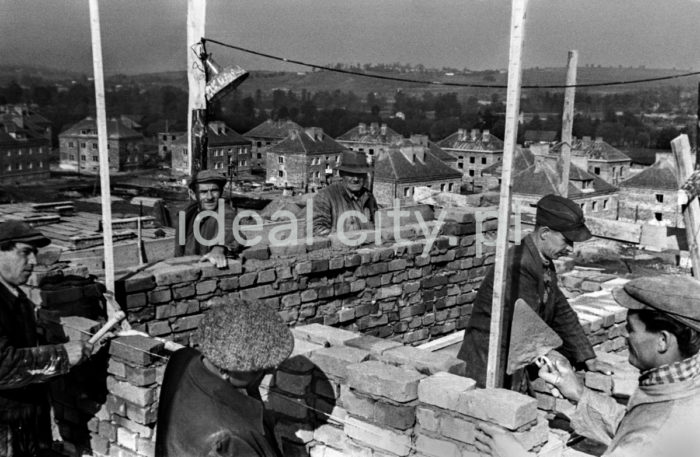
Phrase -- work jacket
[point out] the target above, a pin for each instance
(200, 414)
(332, 201)
(209, 229)
(525, 278)
(659, 421)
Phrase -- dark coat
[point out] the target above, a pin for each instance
(525, 278)
(334, 200)
(23, 366)
(200, 414)
(208, 229)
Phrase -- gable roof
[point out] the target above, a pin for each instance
(312, 141)
(373, 134)
(594, 149)
(115, 129)
(522, 159)
(393, 165)
(540, 179)
(227, 136)
(440, 153)
(273, 129)
(661, 175)
(464, 140)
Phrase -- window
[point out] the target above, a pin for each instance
(442, 187)
(19, 152)
(450, 187)
(460, 165)
(258, 144)
(172, 138)
(165, 137)
(70, 144)
(472, 159)
(9, 167)
(30, 165)
(660, 198)
(658, 216)
(95, 159)
(41, 164)
(19, 166)
(82, 157)
(483, 160)
(359, 149)
(82, 145)
(259, 156)
(280, 173)
(29, 151)
(406, 191)
(267, 142)
(594, 205)
(596, 170)
(72, 156)
(94, 145)
(9, 153)
(622, 171)
(280, 159)
(614, 172)
(371, 152)
(471, 172)
(605, 204)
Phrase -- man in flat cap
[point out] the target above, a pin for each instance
(206, 188)
(209, 402)
(530, 275)
(662, 418)
(349, 202)
(24, 362)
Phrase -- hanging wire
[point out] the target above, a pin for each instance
(445, 83)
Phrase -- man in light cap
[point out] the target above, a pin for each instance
(348, 202)
(209, 402)
(24, 363)
(530, 275)
(662, 418)
(206, 188)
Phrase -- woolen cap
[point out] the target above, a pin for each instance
(207, 176)
(353, 162)
(22, 232)
(563, 215)
(244, 336)
(675, 295)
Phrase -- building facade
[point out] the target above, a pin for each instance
(79, 149)
(371, 139)
(265, 135)
(24, 155)
(599, 158)
(304, 159)
(473, 151)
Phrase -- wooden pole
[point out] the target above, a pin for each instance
(496, 360)
(102, 144)
(196, 78)
(567, 123)
(691, 213)
(697, 132)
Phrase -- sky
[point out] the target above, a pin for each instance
(142, 36)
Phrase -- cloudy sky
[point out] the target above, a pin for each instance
(149, 35)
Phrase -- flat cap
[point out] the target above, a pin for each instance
(244, 336)
(675, 295)
(22, 232)
(207, 176)
(563, 215)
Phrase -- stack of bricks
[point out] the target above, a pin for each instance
(342, 394)
(124, 426)
(582, 280)
(387, 289)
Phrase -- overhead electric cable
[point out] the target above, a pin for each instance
(445, 83)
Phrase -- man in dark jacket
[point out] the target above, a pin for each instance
(209, 402)
(348, 202)
(206, 188)
(24, 363)
(530, 275)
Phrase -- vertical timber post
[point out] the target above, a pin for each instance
(691, 213)
(567, 122)
(499, 332)
(196, 78)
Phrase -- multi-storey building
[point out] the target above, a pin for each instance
(599, 158)
(371, 139)
(227, 150)
(473, 151)
(265, 135)
(24, 153)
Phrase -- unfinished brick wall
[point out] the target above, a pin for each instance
(387, 289)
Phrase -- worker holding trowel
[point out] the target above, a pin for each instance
(662, 417)
(531, 276)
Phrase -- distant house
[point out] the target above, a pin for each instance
(370, 139)
(79, 148)
(168, 142)
(265, 135)
(650, 195)
(400, 168)
(304, 159)
(599, 158)
(24, 152)
(227, 150)
(473, 151)
(27, 118)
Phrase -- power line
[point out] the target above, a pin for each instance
(444, 83)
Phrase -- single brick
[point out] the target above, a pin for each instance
(158, 328)
(535, 435)
(377, 378)
(433, 446)
(266, 276)
(184, 323)
(428, 419)
(206, 287)
(292, 383)
(335, 361)
(144, 431)
(331, 435)
(377, 437)
(444, 389)
(321, 334)
(160, 296)
(176, 274)
(142, 414)
(295, 408)
(424, 361)
(140, 396)
(79, 328)
(140, 376)
(127, 438)
(116, 368)
(372, 344)
(599, 381)
(503, 407)
(458, 429)
(136, 349)
(138, 282)
(400, 417)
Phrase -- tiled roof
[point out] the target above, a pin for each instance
(273, 129)
(539, 180)
(463, 140)
(522, 159)
(300, 142)
(594, 149)
(371, 134)
(440, 153)
(115, 129)
(661, 175)
(393, 165)
(228, 137)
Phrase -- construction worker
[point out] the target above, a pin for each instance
(530, 275)
(662, 417)
(209, 402)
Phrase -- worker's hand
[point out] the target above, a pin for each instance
(598, 366)
(562, 376)
(78, 351)
(496, 442)
(217, 256)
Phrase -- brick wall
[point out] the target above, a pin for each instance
(643, 205)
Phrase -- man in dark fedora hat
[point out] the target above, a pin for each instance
(530, 275)
(348, 202)
(25, 363)
(662, 417)
(206, 188)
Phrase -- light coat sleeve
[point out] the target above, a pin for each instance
(597, 416)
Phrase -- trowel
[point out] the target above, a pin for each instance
(531, 338)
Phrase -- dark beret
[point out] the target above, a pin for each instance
(563, 215)
(675, 295)
(22, 232)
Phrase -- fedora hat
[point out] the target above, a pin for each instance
(353, 162)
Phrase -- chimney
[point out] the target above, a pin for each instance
(486, 136)
(362, 129)
(293, 134)
(373, 127)
(599, 139)
(383, 129)
(461, 134)
(315, 133)
(473, 134)
(413, 153)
